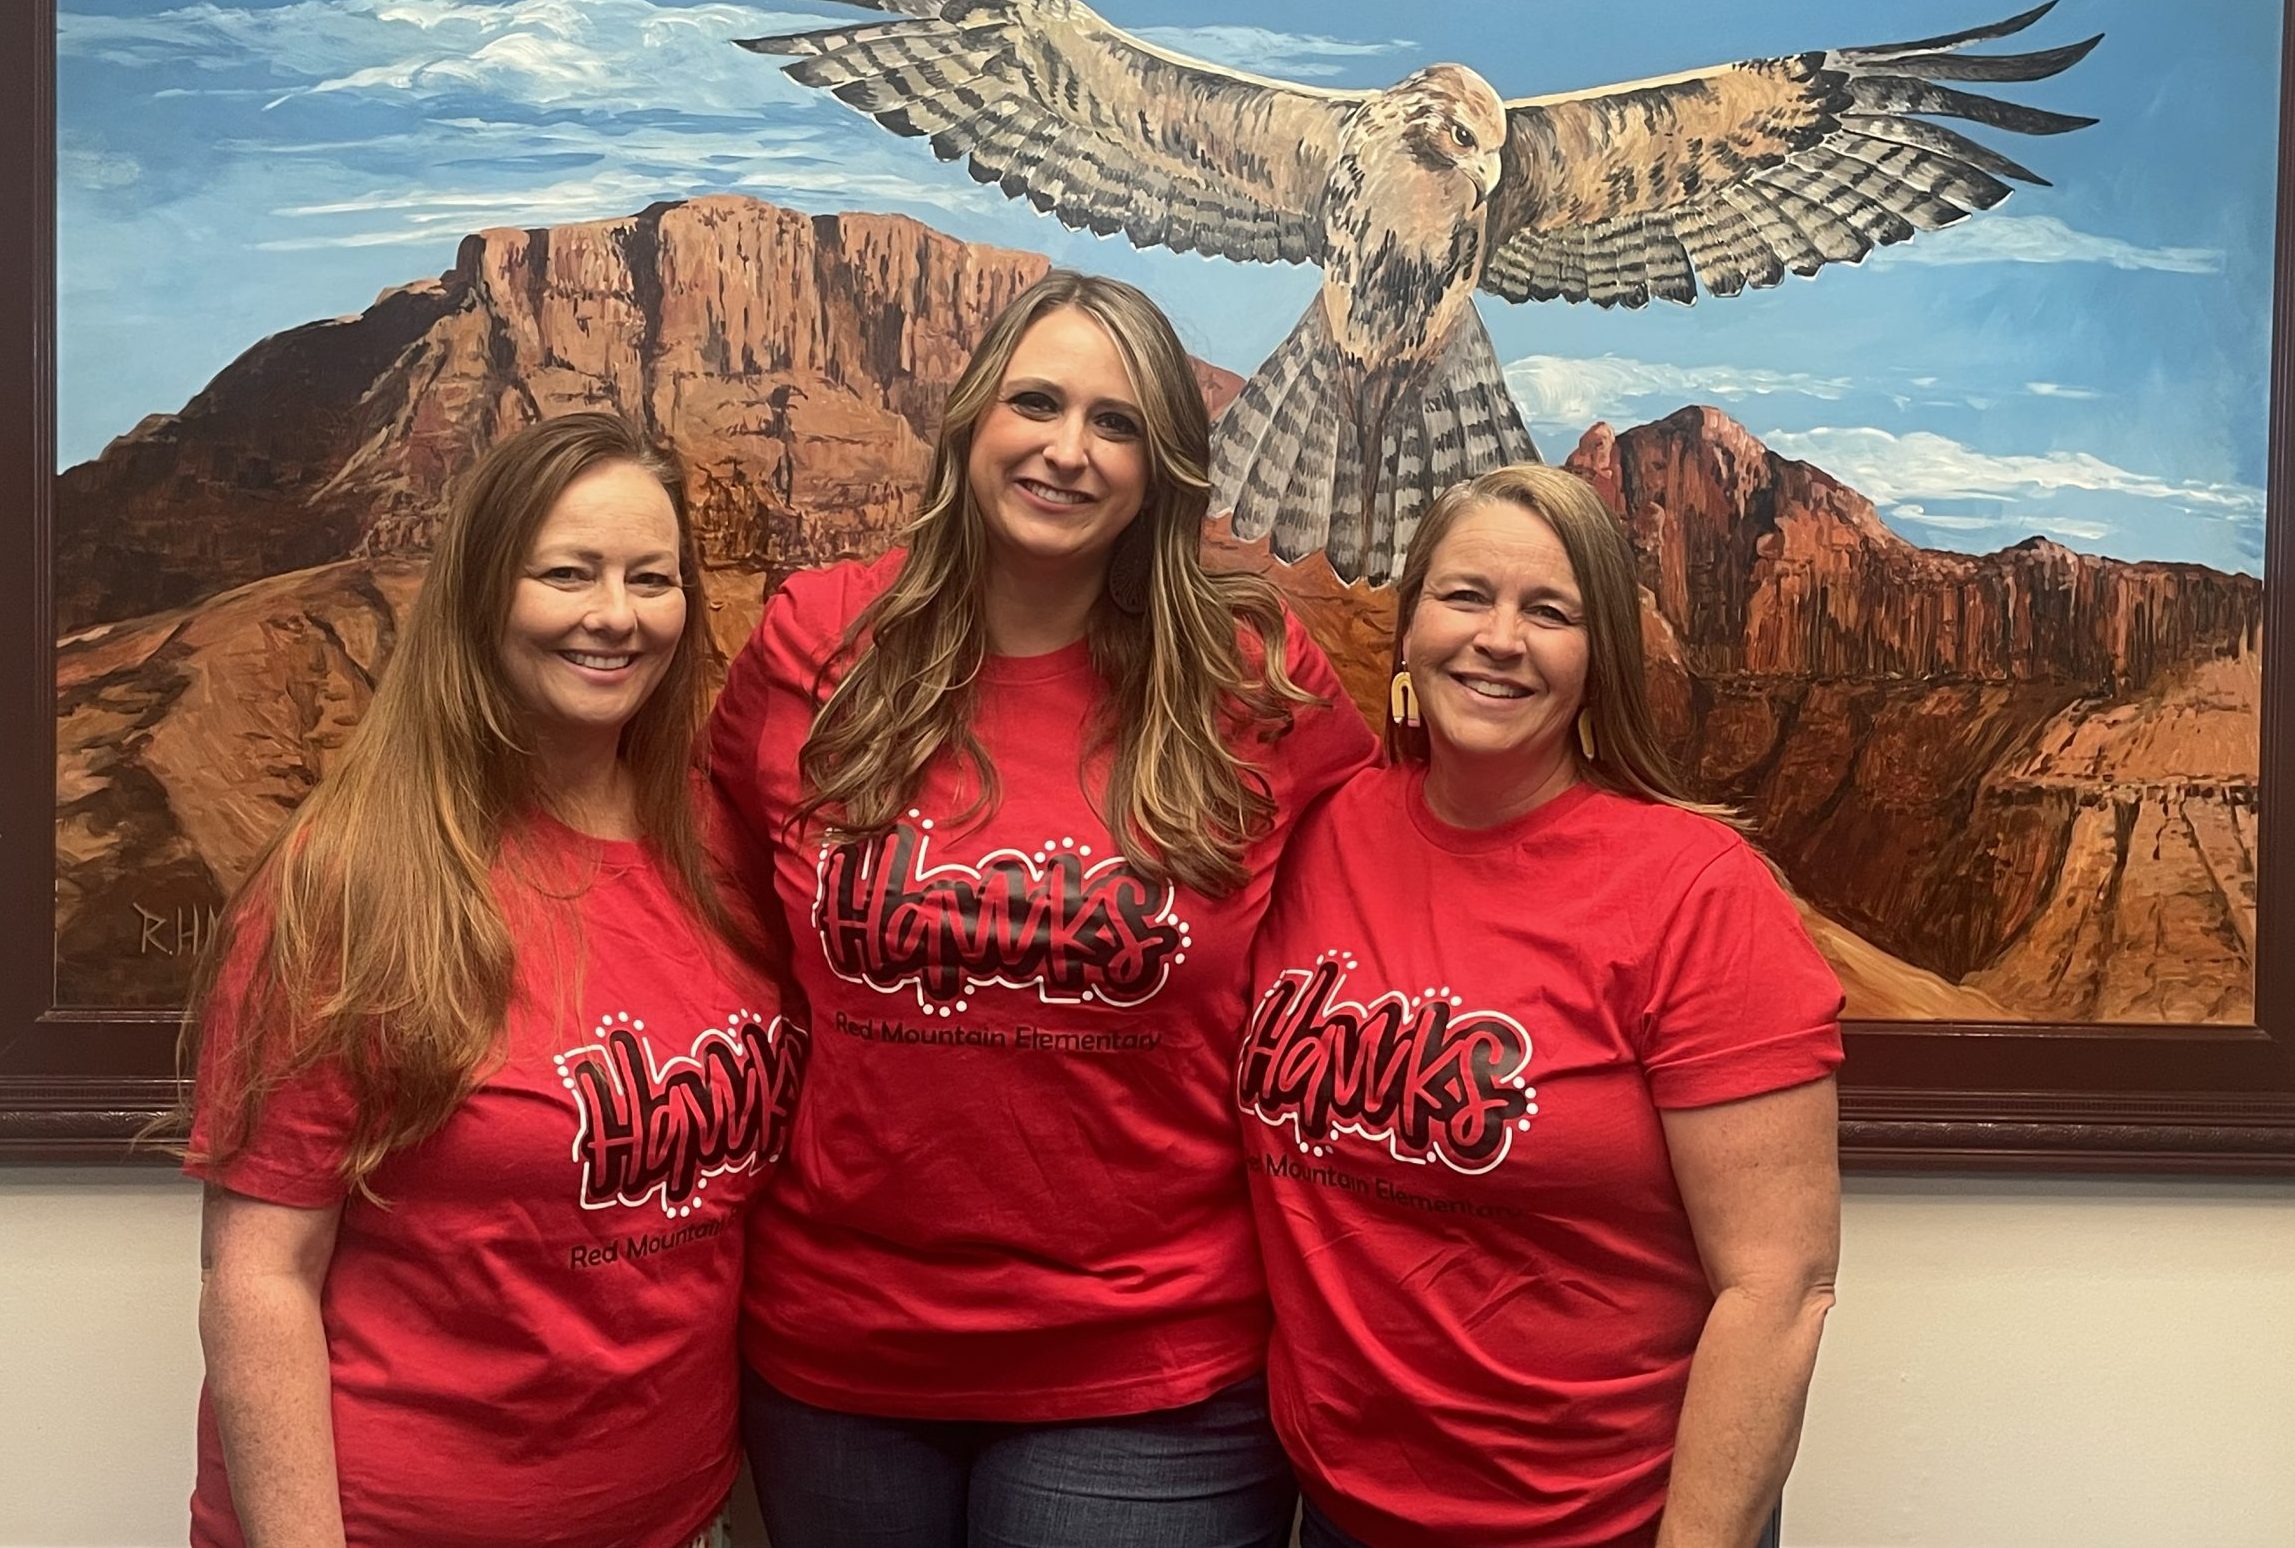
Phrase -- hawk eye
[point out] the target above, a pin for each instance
(1459, 133)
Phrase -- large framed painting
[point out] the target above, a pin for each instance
(1934, 358)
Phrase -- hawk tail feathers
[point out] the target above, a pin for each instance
(1457, 422)
(1275, 453)
(1287, 456)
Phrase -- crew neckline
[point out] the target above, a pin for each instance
(1470, 841)
(625, 852)
(1067, 661)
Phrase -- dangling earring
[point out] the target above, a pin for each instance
(1402, 700)
(1586, 735)
(1131, 569)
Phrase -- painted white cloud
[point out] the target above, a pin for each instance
(2044, 239)
(1557, 389)
(593, 172)
(852, 189)
(1897, 470)
(2021, 524)
(1908, 511)
(425, 216)
(669, 108)
(307, 39)
(2059, 390)
(464, 140)
(1263, 51)
(87, 166)
(431, 213)
(2065, 526)
(545, 71)
(536, 53)
(407, 236)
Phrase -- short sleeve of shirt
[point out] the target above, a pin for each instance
(1739, 1002)
(294, 1153)
(1329, 743)
(770, 698)
(735, 806)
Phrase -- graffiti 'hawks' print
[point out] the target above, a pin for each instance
(1431, 1080)
(1054, 920)
(662, 1129)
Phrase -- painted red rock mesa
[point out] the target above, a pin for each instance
(2015, 785)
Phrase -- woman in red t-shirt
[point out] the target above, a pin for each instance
(1017, 793)
(1537, 1093)
(482, 1084)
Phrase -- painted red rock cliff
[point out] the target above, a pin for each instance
(798, 363)
(2032, 772)
(230, 577)
(2021, 784)
(2017, 785)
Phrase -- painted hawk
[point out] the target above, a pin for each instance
(1411, 198)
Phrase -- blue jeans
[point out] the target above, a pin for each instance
(1210, 1475)
(1316, 1531)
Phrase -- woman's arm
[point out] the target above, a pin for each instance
(1762, 1183)
(260, 1269)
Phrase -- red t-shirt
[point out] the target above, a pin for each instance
(1013, 1191)
(1486, 1291)
(533, 1341)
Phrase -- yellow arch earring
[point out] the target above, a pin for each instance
(1402, 700)
(1586, 735)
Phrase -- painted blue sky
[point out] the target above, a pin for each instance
(2089, 361)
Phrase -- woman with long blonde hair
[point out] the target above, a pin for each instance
(484, 1080)
(1537, 1094)
(1017, 792)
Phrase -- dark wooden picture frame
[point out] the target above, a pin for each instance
(80, 1084)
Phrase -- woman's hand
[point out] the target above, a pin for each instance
(1761, 1180)
(260, 1269)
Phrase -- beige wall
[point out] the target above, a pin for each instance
(99, 1358)
(2062, 1364)
(2013, 1365)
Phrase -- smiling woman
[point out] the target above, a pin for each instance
(1520, 619)
(428, 1015)
(1567, 1289)
(597, 617)
(1497, 652)
(1025, 785)
(1059, 465)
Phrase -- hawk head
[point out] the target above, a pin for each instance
(1452, 122)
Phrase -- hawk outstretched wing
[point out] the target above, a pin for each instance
(1732, 177)
(1387, 389)
(1090, 124)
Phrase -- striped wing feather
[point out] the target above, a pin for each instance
(1046, 100)
(1728, 179)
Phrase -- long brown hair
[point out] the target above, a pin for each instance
(384, 945)
(1631, 758)
(1178, 799)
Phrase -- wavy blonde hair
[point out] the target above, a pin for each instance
(385, 950)
(1632, 758)
(1182, 685)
